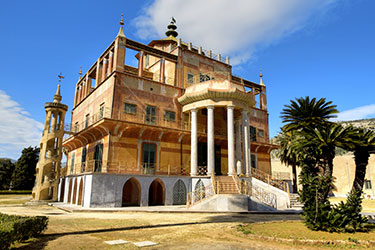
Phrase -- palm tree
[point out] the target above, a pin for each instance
(304, 113)
(365, 143)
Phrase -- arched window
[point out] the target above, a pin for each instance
(179, 193)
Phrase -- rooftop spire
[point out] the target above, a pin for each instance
(57, 96)
(172, 28)
(121, 32)
(80, 73)
(261, 78)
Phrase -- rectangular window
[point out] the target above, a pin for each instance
(147, 60)
(148, 158)
(87, 118)
(253, 161)
(98, 156)
(190, 78)
(130, 109)
(76, 127)
(101, 111)
(150, 115)
(169, 116)
(261, 132)
(203, 77)
(368, 184)
(253, 133)
(72, 163)
(83, 160)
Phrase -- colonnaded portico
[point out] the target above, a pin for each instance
(211, 95)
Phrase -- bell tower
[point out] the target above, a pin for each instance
(48, 166)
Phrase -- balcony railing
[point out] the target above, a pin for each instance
(103, 166)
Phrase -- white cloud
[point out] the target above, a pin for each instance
(362, 112)
(17, 129)
(232, 27)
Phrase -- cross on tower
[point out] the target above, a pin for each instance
(60, 77)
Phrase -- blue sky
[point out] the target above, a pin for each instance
(319, 48)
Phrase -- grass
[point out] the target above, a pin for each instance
(297, 230)
(16, 199)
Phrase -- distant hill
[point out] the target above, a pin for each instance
(363, 123)
(13, 161)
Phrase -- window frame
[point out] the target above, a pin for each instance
(130, 105)
(167, 116)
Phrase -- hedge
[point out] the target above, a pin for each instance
(20, 228)
(15, 191)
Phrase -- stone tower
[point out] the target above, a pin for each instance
(48, 166)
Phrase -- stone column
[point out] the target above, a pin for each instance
(194, 144)
(230, 132)
(105, 66)
(246, 132)
(140, 63)
(48, 121)
(238, 147)
(110, 62)
(98, 79)
(54, 121)
(162, 70)
(210, 141)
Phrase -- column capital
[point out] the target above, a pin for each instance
(210, 107)
(230, 106)
(193, 110)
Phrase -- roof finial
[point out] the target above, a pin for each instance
(172, 28)
(261, 77)
(121, 32)
(57, 96)
(80, 73)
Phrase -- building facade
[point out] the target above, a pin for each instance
(150, 133)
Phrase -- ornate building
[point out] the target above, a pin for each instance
(175, 122)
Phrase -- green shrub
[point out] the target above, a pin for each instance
(15, 191)
(19, 228)
(6, 233)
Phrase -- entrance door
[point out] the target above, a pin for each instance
(131, 193)
(156, 195)
(148, 158)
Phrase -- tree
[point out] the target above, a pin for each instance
(304, 113)
(24, 172)
(6, 171)
(365, 143)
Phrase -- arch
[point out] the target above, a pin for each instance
(62, 190)
(70, 191)
(131, 193)
(179, 193)
(75, 192)
(199, 190)
(156, 193)
(80, 192)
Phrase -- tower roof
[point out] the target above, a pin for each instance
(121, 31)
(172, 29)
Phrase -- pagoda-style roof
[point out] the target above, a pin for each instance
(216, 92)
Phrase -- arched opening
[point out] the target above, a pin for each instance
(75, 191)
(199, 190)
(70, 191)
(179, 193)
(156, 193)
(131, 193)
(62, 190)
(80, 192)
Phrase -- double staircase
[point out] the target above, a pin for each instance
(260, 192)
(225, 185)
